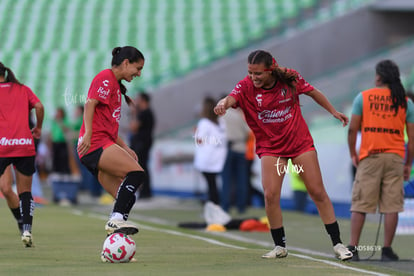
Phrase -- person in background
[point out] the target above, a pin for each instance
(6, 187)
(409, 184)
(142, 128)
(88, 181)
(255, 196)
(269, 98)
(381, 114)
(66, 174)
(100, 149)
(210, 148)
(300, 194)
(60, 150)
(235, 185)
(18, 146)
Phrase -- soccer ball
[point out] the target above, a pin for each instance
(118, 248)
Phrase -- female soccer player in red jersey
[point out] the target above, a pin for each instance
(17, 145)
(269, 98)
(100, 148)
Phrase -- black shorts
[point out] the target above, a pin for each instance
(91, 160)
(24, 164)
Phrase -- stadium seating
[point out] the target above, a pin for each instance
(57, 46)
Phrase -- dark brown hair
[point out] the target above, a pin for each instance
(280, 74)
(389, 74)
(119, 54)
(207, 110)
(8, 74)
(145, 96)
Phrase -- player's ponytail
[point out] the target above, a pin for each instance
(8, 74)
(123, 91)
(119, 54)
(389, 74)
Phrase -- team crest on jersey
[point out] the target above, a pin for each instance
(259, 99)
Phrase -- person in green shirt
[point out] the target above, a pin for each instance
(60, 125)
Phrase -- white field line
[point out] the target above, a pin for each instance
(171, 232)
(212, 241)
(177, 233)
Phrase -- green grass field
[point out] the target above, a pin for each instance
(68, 241)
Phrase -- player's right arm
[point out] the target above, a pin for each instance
(88, 113)
(224, 104)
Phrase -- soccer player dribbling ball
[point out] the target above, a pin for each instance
(17, 146)
(100, 148)
(269, 98)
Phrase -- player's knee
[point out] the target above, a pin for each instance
(318, 195)
(271, 197)
(6, 190)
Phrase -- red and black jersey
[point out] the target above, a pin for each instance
(16, 138)
(104, 88)
(275, 117)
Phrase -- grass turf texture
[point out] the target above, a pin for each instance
(68, 242)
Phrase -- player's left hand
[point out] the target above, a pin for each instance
(36, 132)
(341, 117)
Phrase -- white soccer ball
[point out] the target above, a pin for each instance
(118, 248)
